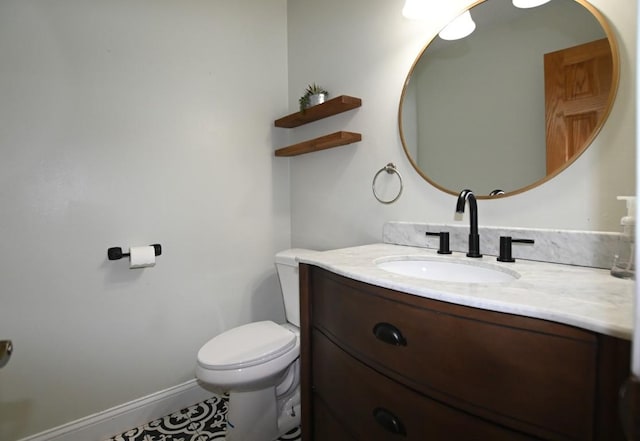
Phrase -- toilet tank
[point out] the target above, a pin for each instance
(287, 267)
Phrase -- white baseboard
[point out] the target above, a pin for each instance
(119, 419)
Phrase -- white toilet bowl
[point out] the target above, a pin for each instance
(258, 365)
(248, 357)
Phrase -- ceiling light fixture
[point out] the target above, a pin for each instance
(459, 28)
(415, 9)
(525, 4)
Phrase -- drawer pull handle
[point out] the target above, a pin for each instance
(389, 334)
(389, 421)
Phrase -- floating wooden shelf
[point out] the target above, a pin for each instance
(321, 143)
(334, 106)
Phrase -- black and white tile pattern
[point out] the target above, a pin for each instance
(205, 421)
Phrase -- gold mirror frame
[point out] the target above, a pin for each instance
(615, 78)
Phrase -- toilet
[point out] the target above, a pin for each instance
(258, 364)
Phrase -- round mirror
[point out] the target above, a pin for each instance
(512, 104)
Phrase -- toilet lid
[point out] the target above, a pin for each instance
(246, 345)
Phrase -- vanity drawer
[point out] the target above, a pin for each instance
(326, 427)
(527, 374)
(373, 407)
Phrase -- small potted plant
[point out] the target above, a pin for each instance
(313, 95)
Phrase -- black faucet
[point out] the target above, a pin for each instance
(474, 237)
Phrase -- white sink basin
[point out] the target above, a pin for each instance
(448, 271)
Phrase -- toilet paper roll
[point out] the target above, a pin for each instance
(142, 257)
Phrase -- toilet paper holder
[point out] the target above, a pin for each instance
(116, 253)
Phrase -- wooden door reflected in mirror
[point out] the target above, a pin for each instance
(577, 87)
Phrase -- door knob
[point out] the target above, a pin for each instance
(6, 348)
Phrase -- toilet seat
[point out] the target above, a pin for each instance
(247, 345)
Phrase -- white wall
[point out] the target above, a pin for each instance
(365, 48)
(128, 123)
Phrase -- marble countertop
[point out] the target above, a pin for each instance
(588, 298)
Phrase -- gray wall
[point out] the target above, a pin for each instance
(127, 123)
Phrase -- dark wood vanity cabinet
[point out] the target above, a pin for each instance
(381, 365)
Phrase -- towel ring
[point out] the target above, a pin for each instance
(391, 169)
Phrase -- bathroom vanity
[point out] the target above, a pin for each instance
(394, 357)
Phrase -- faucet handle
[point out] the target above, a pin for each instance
(505, 248)
(444, 241)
